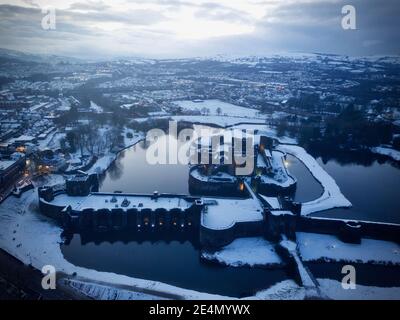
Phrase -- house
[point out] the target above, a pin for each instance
(10, 169)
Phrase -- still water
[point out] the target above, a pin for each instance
(176, 263)
(133, 174)
(373, 188)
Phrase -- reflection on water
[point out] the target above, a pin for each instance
(174, 260)
(133, 174)
(308, 188)
(373, 190)
(372, 186)
(177, 263)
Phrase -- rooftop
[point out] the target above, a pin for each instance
(5, 164)
(98, 201)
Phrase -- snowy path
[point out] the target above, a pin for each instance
(332, 196)
(308, 281)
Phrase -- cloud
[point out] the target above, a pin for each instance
(316, 26)
(154, 27)
(215, 11)
(89, 6)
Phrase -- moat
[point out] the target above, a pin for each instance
(181, 261)
(372, 188)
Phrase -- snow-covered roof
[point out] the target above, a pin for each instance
(224, 213)
(5, 164)
(273, 202)
(23, 138)
(99, 201)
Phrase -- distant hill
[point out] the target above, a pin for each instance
(13, 55)
(7, 55)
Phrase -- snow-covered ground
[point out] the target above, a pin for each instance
(96, 108)
(54, 143)
(105, 292)
(332, 196)
(221, 121)
(46, 143)
(224, 213)
(265, 130)
(225, 108)
(246, 252)
(392, 153)
(35, 240)
(316, 247)
(136, 137)
(272, 201)
(333, 290)
(233, 122)
(329, 289)
(285, 290)
(104, 162)
(281, 177)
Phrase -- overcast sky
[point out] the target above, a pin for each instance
(186, 28)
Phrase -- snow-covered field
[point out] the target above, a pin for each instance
(221, 121)
(332, 196)
(246, 252)
(225, 108)
(233, 122)
(394, 154)
(316, 247)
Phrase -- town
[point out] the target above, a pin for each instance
(71, 130)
